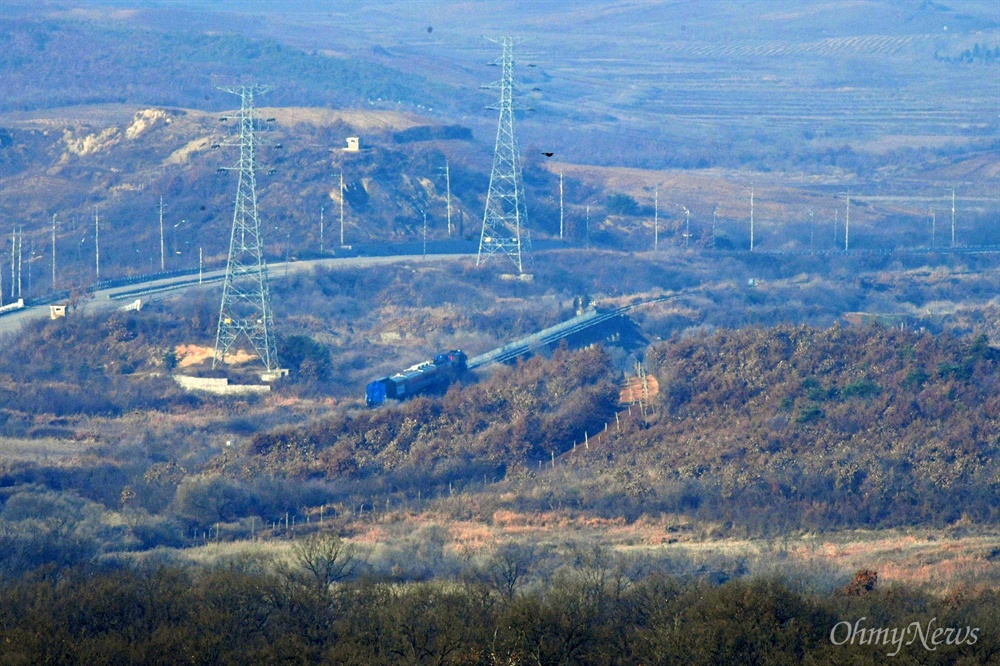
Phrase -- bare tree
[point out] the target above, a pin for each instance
(326, 558)
(508, 570)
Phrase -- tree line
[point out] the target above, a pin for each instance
(598, 610)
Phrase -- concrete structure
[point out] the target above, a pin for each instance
(219, 386)
(10, 307)
(273, 375)
(57, 311)
(353, 144)
(588, 328)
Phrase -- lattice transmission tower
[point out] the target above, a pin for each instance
(505, 216)
(246, 298)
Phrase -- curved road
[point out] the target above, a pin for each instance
(116, 297)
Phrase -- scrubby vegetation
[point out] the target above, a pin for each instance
(764, 429)
(758, 434)
(506, 423)
(761, 430)
(86, 63)
(107, 366)
(601, 609)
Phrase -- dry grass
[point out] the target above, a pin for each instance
(43, 450)
(213, 554)
(929, 559)
(188, 355)
(934, 561)
(778, 197)
(361, 120)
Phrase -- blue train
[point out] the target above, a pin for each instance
(421, 377)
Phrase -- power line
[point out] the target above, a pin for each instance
(505, 213)
(245, 310)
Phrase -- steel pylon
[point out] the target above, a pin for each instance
(505, 216)
(245, 310)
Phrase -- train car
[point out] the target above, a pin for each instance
(418, 378)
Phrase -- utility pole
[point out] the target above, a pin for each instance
(933, 227)
(54, 251)
(163, 263)
(200, 264)
(715, 212)
(847, 224)
(13, 260)
(447, 180)
(656, 217)
(751, 218)
(425, 232)
(20, 244)
(812, 231)
(836, 226)
(505, 213)
(288, 247)
(687, 226)
(341, 208)
(561, 215)
(31, 257)
(953, 217)
(586, 238)
(321, 207)
(97, 244)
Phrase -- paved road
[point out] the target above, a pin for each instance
(116, 297)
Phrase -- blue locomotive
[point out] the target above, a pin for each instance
(418, 378)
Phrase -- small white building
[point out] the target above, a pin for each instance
(353, 144)
(57, 311)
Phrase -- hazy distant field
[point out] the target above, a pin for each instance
(649, 72)
(807, 101)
